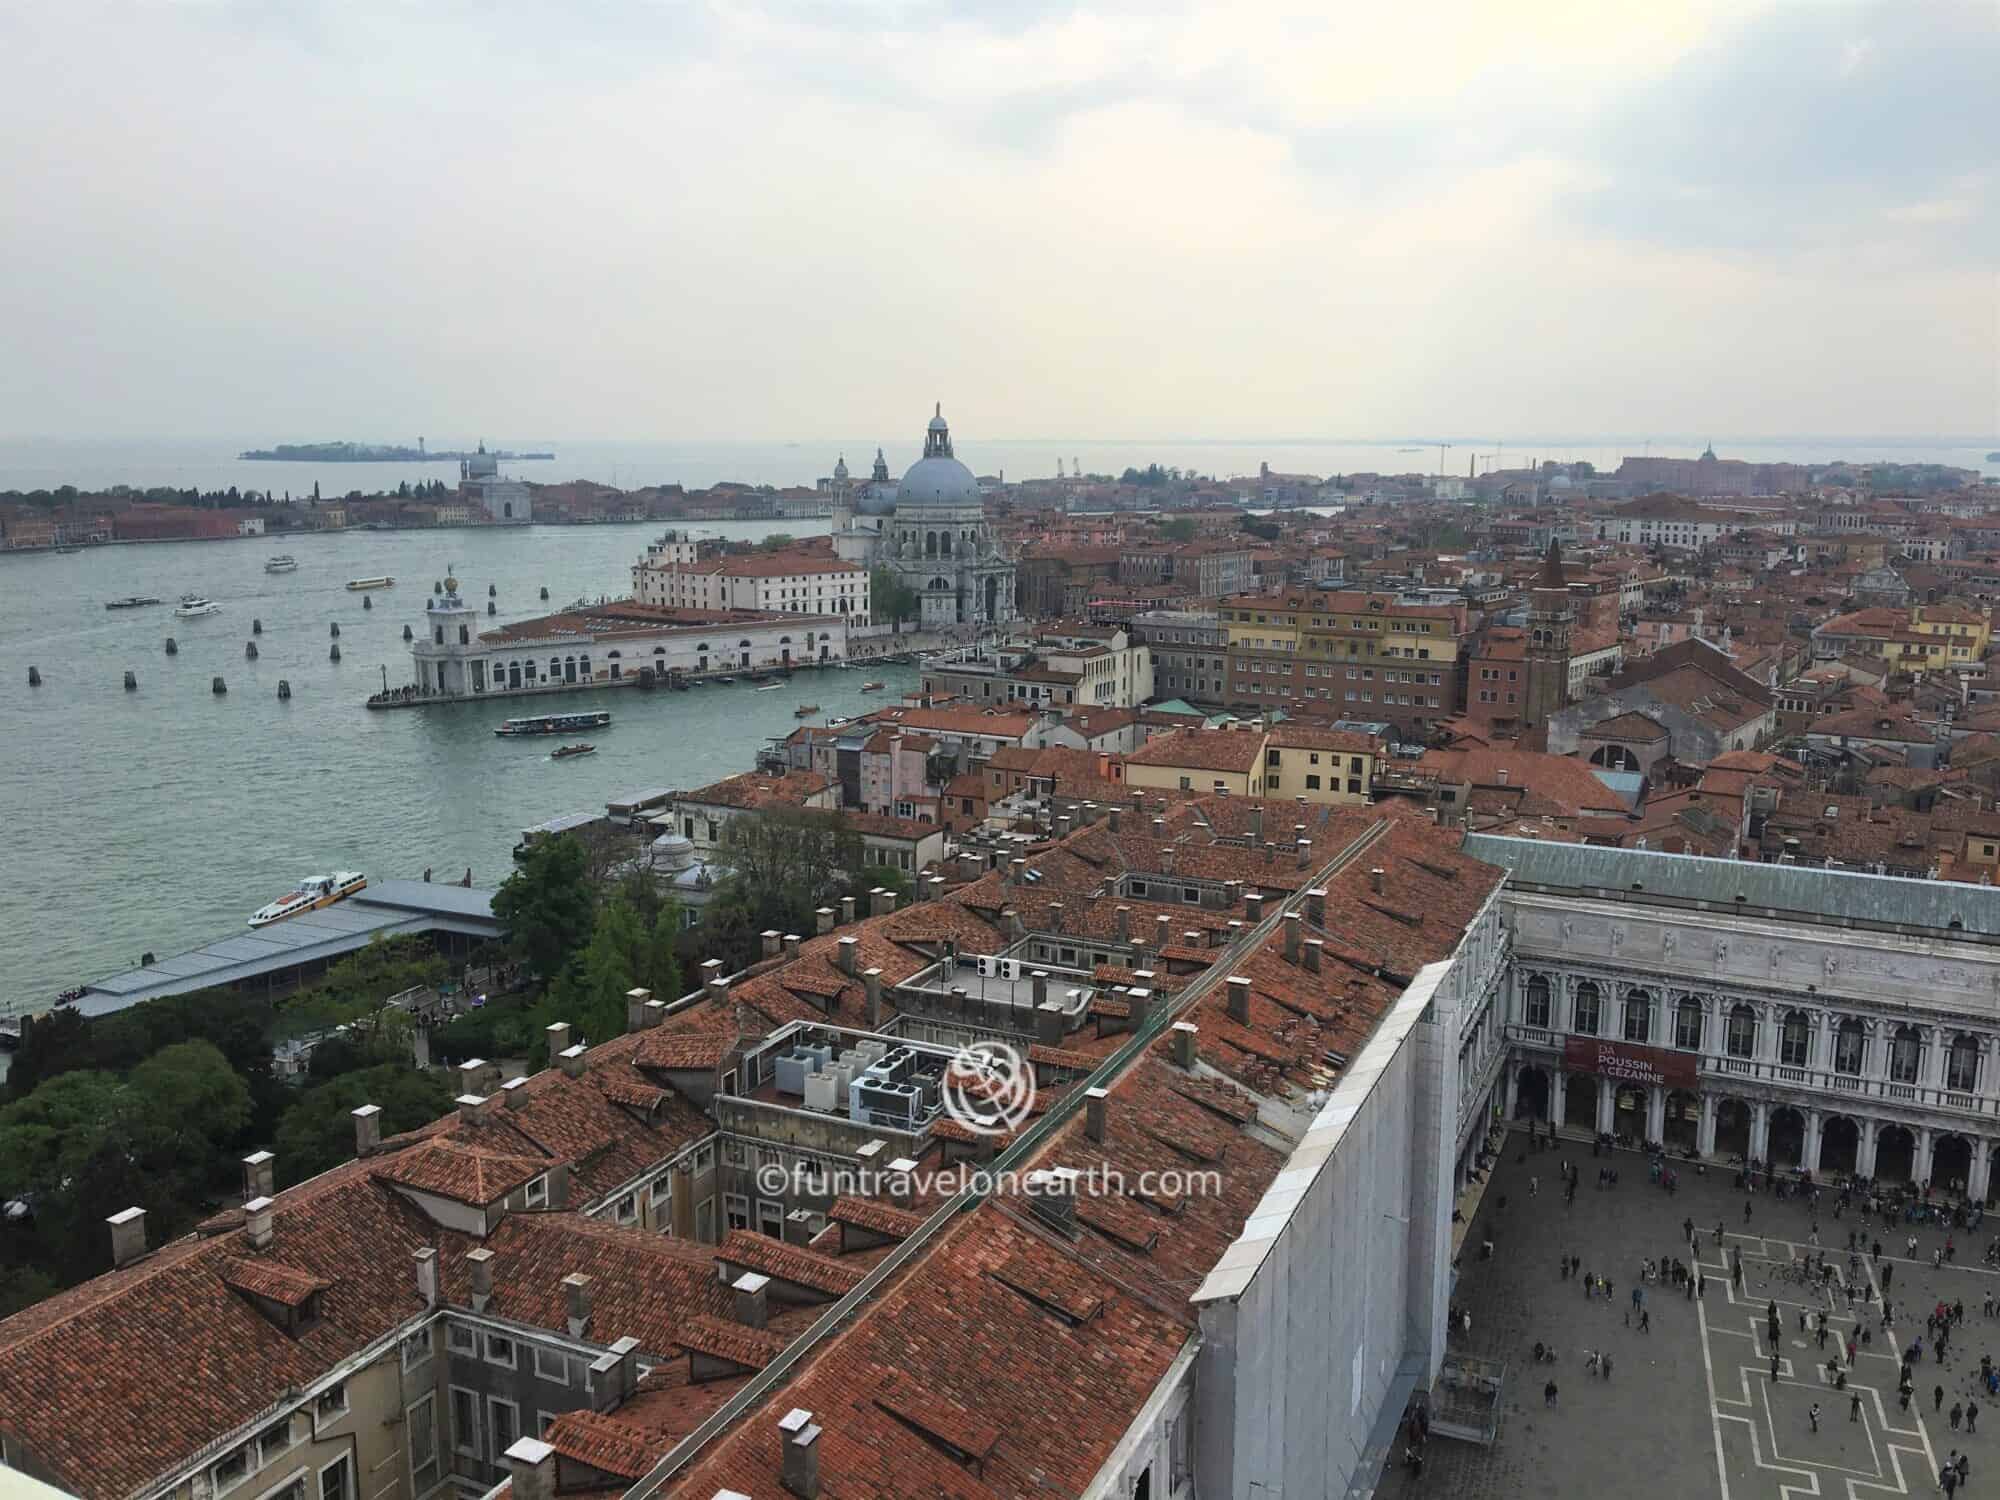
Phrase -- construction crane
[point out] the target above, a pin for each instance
(1441, 452)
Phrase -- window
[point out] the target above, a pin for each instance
(462, 1340)
(465, 1422)
(331, 1402)
(1312, 782)
(1794, 1040)
(704, 1221)
(274, 1440)
(736, 1210)
(1638, 1016)
(1904, 1051)
(416, 1349)
(499, 1350)
(422, 1424)
(1741, 1040)
(230, 1469)
(1536, 1009)
(1583, 1011)
(551, 1365)
(1687, 1025)
(1961, 1067)
(537, 1192)
(626, 1211)
(1191, 896)
(503, 1423)
(336, 1480)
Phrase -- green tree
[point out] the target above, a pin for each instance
(317, 1132)
(777, 541)
(546, 907)
(785, 864)
(889, 598)
(190, 1101)
(1179, 529)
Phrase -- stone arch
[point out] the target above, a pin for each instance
(1614, 758)
(1681, 1125)
(1732, 1127)
(1951, 1163)
(1580, 1101)
(1532, 1092)
(1785, 1143)
(1839, 1144)
(930, 544)
(1628, 1110)
(1895, 1154)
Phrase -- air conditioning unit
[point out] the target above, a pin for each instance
(821, 1092)
(985, 967)
(1010, 968)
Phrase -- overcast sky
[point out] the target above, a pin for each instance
(605, 218)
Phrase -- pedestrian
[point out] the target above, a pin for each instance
(1774, 1367)
(1971, 1416)
(1937, 1398)
(1718, 1233)
(1746, 1210)
(1965, 1466)
(1812, 1416)
(1854, 1407)
(1549, 1394)
(1888, 1272)
(1534, 1186)
(1957, 1415)
(1645, 1320)
(1604, 1366)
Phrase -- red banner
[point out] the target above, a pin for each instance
(1623, 1062)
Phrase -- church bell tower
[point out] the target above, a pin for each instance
(1550, 620)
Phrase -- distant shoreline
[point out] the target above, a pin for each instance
(68, 549)
(365, 453)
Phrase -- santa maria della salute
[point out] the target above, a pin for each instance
(931, 532)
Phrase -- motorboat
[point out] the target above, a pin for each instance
(194, 606)
(564, 752)
(382, 582)
(131, 601)
(805, 710)
(770, 687)
(284, 562)
(872, 687)
(314, 892)
(554, 724)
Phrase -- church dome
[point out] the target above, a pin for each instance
(937, 478)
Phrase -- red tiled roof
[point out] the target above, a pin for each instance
(878, 1218)
(683, 1050)
(753, 1348)
(808, 1268)
(602, 1442)
(270, 1279)
(462, 1173)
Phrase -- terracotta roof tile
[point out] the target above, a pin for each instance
(273, 1280)
(761, 1253)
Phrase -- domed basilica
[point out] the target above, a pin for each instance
(931, 532)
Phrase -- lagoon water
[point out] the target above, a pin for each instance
(159, 819)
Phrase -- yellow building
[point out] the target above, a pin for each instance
(1320, 765)
(1366, 655)
(1200, 760)
(1963, 633)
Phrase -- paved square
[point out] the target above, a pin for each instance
(1690, 1407)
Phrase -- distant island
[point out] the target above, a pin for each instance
(370, 453)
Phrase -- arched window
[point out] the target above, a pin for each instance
(1687, 1024)
(1795, 1040)
(1742, 1038)
(1961, 1065)
(1850, 1047)
(1583, 1011)
(1638, 1016)
(1905, 1048)
(1537, 1006)
(555, 666)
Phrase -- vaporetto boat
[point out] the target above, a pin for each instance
(314, 892)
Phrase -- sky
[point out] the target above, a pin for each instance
(293, 220)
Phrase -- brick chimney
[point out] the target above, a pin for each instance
(1039, 979)
(1292, 923)
(257, 1223)
(752, 1299)
(791, 945)
(1256, 822)
(259, 1175)
(479, 1263)
(871, 979)
(1316, 906)
(531, 1466)
(1375, 877)
(1315, 951)
(773, 941)
(1305, 848)
(1162, 932)
(367, 1128)
(1184, 1048)
(514, 1093)
(845, 961)
(1114, 820)
(823, 920)
(1253, 906)
(1123, 917)
(574, 1060)
(472, 1076)
(846, 911)
(426, 1258)
(476, 1109)
(1239, 999)
(576, 1301)
(557, 1034)
(1055, 916)
(1140, 998)
(636, 1015)
(799, 1438)
(1094, 1101)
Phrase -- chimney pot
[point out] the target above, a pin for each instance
(1093, 1112)
(425, 1257)
(480, 1263)
(1123, 916)
(637, 1016)
(872, 980)
(259, 1175)
(800, 1440)
(848, 947)
(257, 1222)
(823, 920)
(531, 1465)
(752, 1299)
(557, 1033)
(576, 1300)
(367, 1128)
(1375, 877)
(1239, 999)
(1316, 906)
(1184, 1049)
(846, 911)
(773, 942)
(1292, 923)
(791, 945)
(1315, 949)
(573, 1060)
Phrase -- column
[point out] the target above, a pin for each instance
(1607, 1105)
(1979, 1180)
(1558, 1095)
(1760, 1129)
(1822, 1049)
(1704, 1135)
(1767, 1034)
(1513, 1086)
(1809, 1158)
(1656, 1112)
(1922, 1166)
(1864, 1151)
(1932, 1072)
